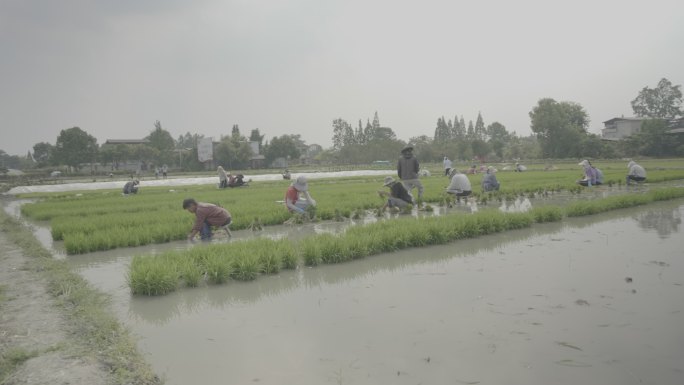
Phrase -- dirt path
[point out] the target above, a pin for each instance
(34, 347)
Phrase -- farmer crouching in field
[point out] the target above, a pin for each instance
(459, 186)
(590, 175)
(207, 215)
(297, 197)
(636, 173)
(489, 182)
(131, 187)
(397, 196)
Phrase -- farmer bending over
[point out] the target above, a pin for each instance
(459, 186)
(131, 187)
(636, 172)
(397, 196)
(207, 215)
(297, 197)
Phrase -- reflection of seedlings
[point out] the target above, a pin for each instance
(407, 209)
(582, 302)
(428, 208)
(338, 216)
(256, 225)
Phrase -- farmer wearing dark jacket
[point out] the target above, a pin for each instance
(207, 215)
(131, 187)
(397, 196)
(407, 169)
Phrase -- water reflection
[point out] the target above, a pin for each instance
(664, 222)
(519, 205)
(160, 310)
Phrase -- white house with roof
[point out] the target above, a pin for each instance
(620, 128)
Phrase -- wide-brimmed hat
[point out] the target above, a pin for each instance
(388, 181)
(631, 163)
(407, 149)
(491, 169)
(583, 163)
(301, 184)
(453, 172)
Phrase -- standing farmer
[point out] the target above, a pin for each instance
(207, 215)
(447, 165)
(407, 169)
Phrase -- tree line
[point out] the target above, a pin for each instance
(559, 130)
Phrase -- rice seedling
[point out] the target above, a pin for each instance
(219, 267)
(256, 225)
(152, 276)
(246, 267)
(547, 214)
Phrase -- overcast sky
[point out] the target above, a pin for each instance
(290, 67)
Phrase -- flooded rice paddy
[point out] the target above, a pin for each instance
(590, 300)
(596, 299)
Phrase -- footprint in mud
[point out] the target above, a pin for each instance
(573, 364)
(581, 302)
(567, 345)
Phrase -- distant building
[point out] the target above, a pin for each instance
(127, 141)
(132, 165)
(620, 128)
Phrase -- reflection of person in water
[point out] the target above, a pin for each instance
(664, 222)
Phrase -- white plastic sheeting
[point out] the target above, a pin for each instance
(212, 180)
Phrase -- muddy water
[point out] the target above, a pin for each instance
(591, 300)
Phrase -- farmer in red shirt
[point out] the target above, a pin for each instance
(297, 197)
(207, 215)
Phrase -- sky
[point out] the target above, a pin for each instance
(113, 68)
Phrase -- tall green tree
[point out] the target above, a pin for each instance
(233, 152)
(376, 121)
(43, 153)
(662, 102)
(235, 132)
(162, 141)
(340, 133)
(480, 131)
(284, 146)
(498, 137)
(74, 147)
(559, 127)
(654, 140)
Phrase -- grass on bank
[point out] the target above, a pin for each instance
(93, 329)
(161, 274)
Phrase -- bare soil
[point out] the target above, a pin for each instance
(32, 325)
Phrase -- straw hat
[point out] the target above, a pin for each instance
(583, 163)
(388, 181)
(407, 149)
(301, 184)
